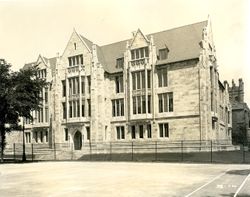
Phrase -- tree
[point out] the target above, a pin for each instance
(19, 95)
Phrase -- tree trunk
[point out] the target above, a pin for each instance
(2, 140)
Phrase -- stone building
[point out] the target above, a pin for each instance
(240, 113)
(162, 86)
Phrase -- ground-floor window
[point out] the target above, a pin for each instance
(88, 133)
(149, 132)
(27, 137)
(41, 136)
(133, 132)
(141, 131)
(120, 132)
(36, 136)
(164, 130)
(46, 136)
(66, 134)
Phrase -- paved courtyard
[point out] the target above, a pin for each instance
(107, 179)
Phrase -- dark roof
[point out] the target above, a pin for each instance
(52, 62)
(28, 65)
(110, 53)
(182, 42)
(88, 42)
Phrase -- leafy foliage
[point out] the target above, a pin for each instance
(20, 93)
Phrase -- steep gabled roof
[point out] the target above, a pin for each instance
(110, 53)
(87, 42)
(28, 65)
(182, 42)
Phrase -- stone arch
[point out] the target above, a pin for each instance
(78, 140)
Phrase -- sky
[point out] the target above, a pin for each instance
(32, 27)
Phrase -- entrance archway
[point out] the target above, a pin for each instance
(78, 140)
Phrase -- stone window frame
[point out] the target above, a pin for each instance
(120, 132)
(162, 74)
(164, 130)
(165, 102)
(117, 107)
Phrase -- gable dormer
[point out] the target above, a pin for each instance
(42, 65)
(77, 52)
(139, 40)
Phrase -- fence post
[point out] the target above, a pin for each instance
(14, 151)
(72, 154)
(211, 156)
(182, 150)
(132, 151)
(244, 156)
(32, 153)
(110, 152)
(155, 150)
(54, 151)
(90, 151)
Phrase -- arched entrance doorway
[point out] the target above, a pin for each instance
(78, 140)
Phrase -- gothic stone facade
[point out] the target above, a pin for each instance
(161, 86)
(240, 113)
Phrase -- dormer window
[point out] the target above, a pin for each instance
(120, 62)
(163, 53)
(139, 53)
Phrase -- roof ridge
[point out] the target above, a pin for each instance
(157, 32)
(174, 28)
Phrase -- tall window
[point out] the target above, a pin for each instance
(63, 88)
(141, 131)
(120, 132)
(36, 136)
(83, 109)
(118, 107)
(46, 114)
(139, 53)
(88, 133)
(89, 84)
(133, 136)
(139, 104)
(119, 83)
(46, 136)
(149, 132)
(83, 85)
(162, 77)
(165, 102)
(149, 78)
(66, 134)
(46, 95)
(139, 81)
(73, 86)
(70, 109)
(76, 60)
(89, 107)
(64, 110)
(164, 130)
(41, 136)
(27, 137)
(149, 104)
